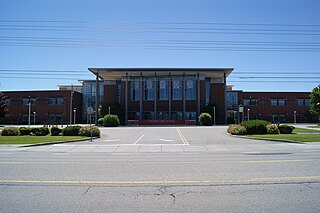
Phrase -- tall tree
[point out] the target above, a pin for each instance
(315, 101)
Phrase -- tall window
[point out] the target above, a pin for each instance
(232, 100)
(176, 88)
(135, 90)
(163, 90)
(190, 88)
(208, 91)
(149, 89)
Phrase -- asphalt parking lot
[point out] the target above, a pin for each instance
(172, 139)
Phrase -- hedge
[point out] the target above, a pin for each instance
(111, 120)
(255, 126)
(205, 119)
(71, 131)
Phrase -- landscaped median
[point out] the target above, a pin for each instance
(259, 129)
(45, 135)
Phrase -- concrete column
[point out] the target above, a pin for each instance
(184, 97)
(225, 97)
(141, 97)
(126, 101)
(97, 98)
(170, 94)
(155, 96)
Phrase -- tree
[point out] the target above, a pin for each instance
(315, 101)
(3, 105)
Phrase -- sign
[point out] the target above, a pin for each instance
(89, 110)
(149, 84)
(189, 84)
(136, 84)
(240, 108)
(176, 84)
(162, 84)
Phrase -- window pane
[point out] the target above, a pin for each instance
(163, 88)
(177, 88)
(300, 102)
(149, 89)
(190, 88)
(307, 102)
(281, 102)
(246, 102)
(274, 102)
(135, 89)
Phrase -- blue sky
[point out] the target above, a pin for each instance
(161, 33)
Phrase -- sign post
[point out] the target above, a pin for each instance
(90, 111)
(241, 111)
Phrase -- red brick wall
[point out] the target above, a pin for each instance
(217, 97)
(110, 94)
(264, 110)
(42, 108)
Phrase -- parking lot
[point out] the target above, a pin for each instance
(173, 139)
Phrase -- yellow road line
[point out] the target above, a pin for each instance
(184, 140)
(168, 182)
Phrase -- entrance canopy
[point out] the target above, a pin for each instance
(119, 73)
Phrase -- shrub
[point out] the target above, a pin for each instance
(286, 129)
(100, 121)
(272, 129)
(111, 120)
(10, 131)
(235, 129)
(25, 130)
(87, 131)
(255, 126)
(205, 119)
(41, 131)
(71, 131)
(55, 131)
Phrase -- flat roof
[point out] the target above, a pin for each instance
(118, 73)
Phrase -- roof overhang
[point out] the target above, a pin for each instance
(119, 73)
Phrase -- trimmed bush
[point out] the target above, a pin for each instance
(272, 129)
(71, 131)
(41, 131)
(111, 120)
(286, 129)
(255, 126)
(100, 121)
(55, 131)
(87, 131)
(235, 129)
(205, 119)
(10, 131)
(25, 130)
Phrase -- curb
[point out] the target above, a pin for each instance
(267, 139)
(57, 142)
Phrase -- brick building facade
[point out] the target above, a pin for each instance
(47, 107)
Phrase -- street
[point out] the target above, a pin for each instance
(161, 169)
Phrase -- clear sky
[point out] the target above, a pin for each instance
(273, 45)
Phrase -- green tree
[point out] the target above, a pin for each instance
(315, 101)
(3, 106)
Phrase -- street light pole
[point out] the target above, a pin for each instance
(34, 118)
(295, 117)
(248, 114)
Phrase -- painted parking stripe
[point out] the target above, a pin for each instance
(138, 139)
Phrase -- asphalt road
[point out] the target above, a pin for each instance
(240, 176)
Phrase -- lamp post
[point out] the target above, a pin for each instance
(295, 116)
(29, 113)
(109, 110)
(34, 118)
(248, 114)
(74, 115)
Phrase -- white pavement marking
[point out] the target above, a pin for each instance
(167, 140)
(112, 140)
(138, 139)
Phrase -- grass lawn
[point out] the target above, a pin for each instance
(36, 139)
(297, 129)
(290, 137)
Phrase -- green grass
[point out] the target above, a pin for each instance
(297, 129)
(314, 126)
(290, 137)
(36, 139)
